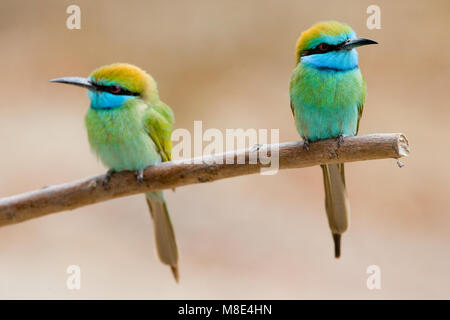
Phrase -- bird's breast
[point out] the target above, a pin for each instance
(324, 88)
(326, 101)
(119, 139)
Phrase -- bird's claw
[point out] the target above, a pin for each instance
(340, 140)
(306, 144)
(107, 179)
(139, 175)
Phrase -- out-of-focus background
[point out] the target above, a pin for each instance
(227, 63)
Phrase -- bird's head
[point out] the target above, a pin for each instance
(114, 85)
(330, 45)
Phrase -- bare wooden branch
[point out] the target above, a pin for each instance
(168, 175)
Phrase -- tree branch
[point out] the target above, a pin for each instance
(173, 174)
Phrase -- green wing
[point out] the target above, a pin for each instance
(361, 104)
(360, 111)
(158, 123)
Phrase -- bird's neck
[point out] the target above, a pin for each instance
(342, 60)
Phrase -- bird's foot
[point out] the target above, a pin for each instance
(306, 144)
(107, 178)
(340, 139)
(139, 175)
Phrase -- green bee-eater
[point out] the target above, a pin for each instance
(129, 128)
(327, 94)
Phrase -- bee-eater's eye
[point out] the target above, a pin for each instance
(114, 89)
(323, 46)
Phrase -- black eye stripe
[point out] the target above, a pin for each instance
(111, 89)
(317, 50)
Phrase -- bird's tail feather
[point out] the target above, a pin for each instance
(166, 244)
(336, 202)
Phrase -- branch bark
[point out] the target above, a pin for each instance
(173, 174)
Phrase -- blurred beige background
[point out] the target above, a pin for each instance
(227, 63)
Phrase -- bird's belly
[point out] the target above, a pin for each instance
(134, 154)
(121, 145)
(328, 122)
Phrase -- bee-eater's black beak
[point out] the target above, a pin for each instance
(354, 43)
(77, 81)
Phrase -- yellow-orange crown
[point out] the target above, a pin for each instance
(127, 76)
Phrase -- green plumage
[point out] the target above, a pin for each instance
(326, 103)
(327, 93)
(129, 128)
(119, 137)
